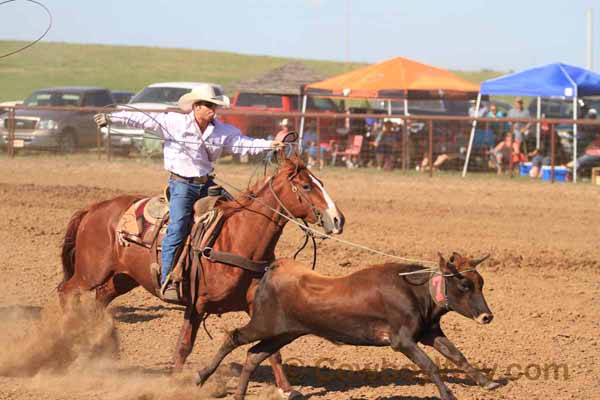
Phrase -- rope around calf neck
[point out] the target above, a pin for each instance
(325, 235)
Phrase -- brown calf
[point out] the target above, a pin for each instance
(379, 306)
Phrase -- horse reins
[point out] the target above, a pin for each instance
(305, 229)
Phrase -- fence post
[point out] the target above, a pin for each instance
(11, 132)
(318, 142)
(98, 142)
(430, 155)
(404, 145)
(108, 142)
(552, 152)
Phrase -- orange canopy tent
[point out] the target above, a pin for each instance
(397, 78)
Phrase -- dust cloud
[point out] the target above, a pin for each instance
(74, 353)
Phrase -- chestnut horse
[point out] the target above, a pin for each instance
(93, 260)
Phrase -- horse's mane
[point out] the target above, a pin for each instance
(241, 201)
(245, 198)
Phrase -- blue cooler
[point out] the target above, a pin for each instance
(560, 173)
(524, 168)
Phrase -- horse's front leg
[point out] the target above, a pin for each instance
(281, 379)
(187, 336)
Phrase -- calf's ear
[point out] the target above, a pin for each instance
(475, 263)
(443, 264)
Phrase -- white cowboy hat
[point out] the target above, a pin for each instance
(202, 92)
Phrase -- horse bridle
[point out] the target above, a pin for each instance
(299, 195)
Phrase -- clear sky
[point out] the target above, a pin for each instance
(459, 34)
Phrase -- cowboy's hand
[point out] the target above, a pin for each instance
(102, 119)
(277, 145)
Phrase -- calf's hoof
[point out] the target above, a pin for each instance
(235, 369)
(491, 385)
(201, 378)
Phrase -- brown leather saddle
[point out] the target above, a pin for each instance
(146, 220)
(145, 223)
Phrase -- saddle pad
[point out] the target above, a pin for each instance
(156, 208)
(132, 220)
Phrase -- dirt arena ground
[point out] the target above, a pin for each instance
(542, 283)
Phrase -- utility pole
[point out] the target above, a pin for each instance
(590, 53)
(347, 55)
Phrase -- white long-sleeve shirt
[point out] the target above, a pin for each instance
(187, 151)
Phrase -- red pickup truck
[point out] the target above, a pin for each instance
(263, 125)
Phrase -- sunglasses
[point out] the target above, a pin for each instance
(207, 104)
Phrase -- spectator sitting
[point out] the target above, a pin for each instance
(539, 157)
(505, 152)
(538, 160)
(480, 113)
(591, 155)
(284, 125)
(455, 149)
(310, 146)
(384, 145)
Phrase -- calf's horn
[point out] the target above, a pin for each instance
(475, 263)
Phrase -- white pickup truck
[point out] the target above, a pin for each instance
(157, 96)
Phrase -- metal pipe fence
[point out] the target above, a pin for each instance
(424, 143)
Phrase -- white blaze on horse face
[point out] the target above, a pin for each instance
(332, 211)
(328, 199)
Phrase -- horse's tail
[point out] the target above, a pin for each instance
(68, 247)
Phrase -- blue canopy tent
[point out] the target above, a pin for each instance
(551, 80)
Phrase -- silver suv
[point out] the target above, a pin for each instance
(64, 130)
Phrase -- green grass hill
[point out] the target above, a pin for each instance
(132, 67)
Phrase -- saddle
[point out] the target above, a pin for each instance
(145, 223)
(146, 220)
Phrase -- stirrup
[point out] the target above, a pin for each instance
(163, 287)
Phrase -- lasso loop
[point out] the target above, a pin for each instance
(39, 38)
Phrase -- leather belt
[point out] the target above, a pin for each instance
(198, 180)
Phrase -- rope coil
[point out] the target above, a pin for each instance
(28, 45)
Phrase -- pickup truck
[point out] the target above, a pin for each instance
(264, 125)
(62, 130)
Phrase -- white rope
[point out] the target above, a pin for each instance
(171, 138)
(434, 271)
(325, 235)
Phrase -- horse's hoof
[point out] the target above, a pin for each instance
(491, 385)
(291, 395)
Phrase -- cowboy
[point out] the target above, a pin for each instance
(193, 140)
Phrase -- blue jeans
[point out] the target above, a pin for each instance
(588, 161)
(181, 209)
(540, 160)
